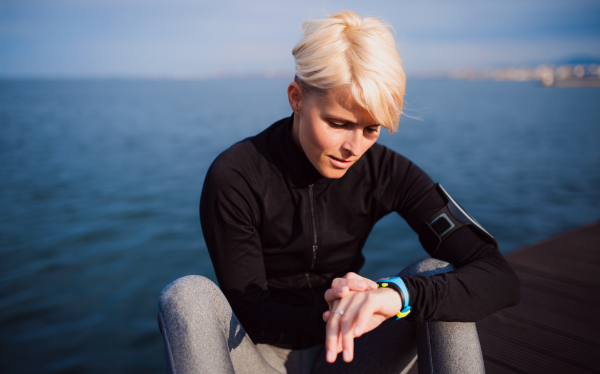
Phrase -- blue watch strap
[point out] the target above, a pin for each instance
(397, 281)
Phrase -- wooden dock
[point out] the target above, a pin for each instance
(556, 327)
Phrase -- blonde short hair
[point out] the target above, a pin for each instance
(344, 49)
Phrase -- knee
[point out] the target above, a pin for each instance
(428, 266)
(188, 290)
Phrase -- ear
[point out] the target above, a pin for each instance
(295, 97)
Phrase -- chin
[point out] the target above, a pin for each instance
(333, 173)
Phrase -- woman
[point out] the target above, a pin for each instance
(285, 215)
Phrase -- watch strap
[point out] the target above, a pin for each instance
(397, 284)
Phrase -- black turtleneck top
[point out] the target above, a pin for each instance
(278, 233)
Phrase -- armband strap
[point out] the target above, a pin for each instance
(445, 221)
(397, 284)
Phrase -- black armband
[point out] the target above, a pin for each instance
(444, 222)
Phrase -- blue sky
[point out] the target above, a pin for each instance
(184, 38)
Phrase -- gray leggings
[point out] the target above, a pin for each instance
(202, 335)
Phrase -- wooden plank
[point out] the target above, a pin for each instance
(556, 327)
(584, 273)
(524, 359)
(563, 289)
(556, 304)
(547, 343)
(573, 250)
(582, 255)
(549, 273)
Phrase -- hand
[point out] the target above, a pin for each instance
(363, 312)
(340, 287)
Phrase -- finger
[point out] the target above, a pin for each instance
(339, 282)
(326, 316)
(370, 284)
(362, 319)
(329, 296)
(332, 332)
(347, 335)
(336, 293)
(331, 338)
(354, 284)
(352, 306)
(348, 346)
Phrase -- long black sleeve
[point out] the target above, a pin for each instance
(483, 281)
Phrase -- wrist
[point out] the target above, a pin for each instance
(397, 285)
(393, 301)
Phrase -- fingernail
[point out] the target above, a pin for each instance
(360, 284)
(357, 331)
(330, 356)
(373, 285)
(346, 355)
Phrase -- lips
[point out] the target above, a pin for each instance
(340, 163)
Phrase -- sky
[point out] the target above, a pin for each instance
(206, 39)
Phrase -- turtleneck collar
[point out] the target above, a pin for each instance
(301, 171)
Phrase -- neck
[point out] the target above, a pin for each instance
(295, 131)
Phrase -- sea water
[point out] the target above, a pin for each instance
(100, 183)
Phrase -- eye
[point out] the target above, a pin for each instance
(372, 130)
(337, 125)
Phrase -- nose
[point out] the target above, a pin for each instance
(352, 143)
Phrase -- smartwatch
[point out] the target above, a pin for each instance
(397, 284)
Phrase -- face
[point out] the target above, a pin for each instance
(332, 129)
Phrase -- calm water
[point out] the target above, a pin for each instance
(100, 183)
